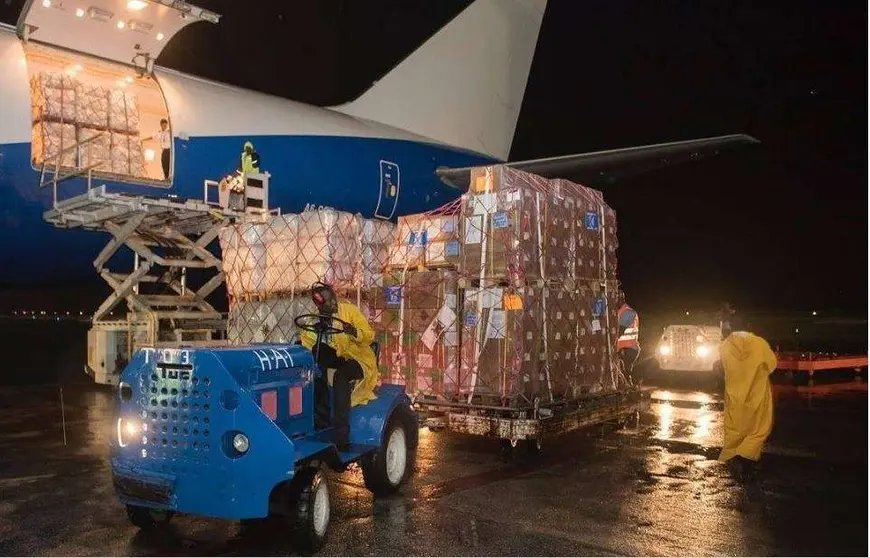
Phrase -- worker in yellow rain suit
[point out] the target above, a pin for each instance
(748, 362)
(349, 353)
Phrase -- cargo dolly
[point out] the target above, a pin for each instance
(532, 424)
(229, 433)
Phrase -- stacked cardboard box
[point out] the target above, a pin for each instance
(67, 111)
(415, 316)
(543, 327)
(425, 240)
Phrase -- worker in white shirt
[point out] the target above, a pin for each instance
(164, 137)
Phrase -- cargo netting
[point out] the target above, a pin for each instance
(67, 112)
(506, 296)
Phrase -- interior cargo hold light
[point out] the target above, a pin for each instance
(128, 79)
(149, 154)
(136, 5)
(159, 36)
(99, 15)
(121, 83)
(140, 26)
(121, 24)
(80, 12)
(46, 3)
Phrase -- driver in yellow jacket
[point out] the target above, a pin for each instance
(351, 356)
(748, 362)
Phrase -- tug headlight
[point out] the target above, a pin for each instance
(128, 431)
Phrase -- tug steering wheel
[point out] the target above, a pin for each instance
(317, 324)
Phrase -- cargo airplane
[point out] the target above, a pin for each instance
(76, 70)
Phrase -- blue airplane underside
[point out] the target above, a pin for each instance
(339, 172)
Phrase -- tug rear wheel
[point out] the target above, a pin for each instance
(311, 512)
(147, 518)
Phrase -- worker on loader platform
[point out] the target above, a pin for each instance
(350, 354)
(250, 161)
(748, 362)
(627, 345)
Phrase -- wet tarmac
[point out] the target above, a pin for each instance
(653, 488)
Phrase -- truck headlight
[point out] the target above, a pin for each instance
(702, 351)
(241, 443)
(664, 350)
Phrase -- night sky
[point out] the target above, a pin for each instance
(782, 225)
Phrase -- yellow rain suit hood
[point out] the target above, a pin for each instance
(357, 348)
(748, 362)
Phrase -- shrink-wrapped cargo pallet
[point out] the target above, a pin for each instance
(97, 151)
(518, 227)
(60, 99)
(53, 97)
(267, 321)
(92, 106)
(287, 254)
(127, 157)
(123, 111)
(50, 139)
(536, 302)
(376, 239)
(329, 251)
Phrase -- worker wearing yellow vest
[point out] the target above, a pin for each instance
(250, 159)
(627, 345)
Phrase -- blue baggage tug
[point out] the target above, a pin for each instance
(228, 432)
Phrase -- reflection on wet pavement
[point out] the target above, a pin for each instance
(652, 488)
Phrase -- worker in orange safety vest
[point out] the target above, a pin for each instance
(627, 345)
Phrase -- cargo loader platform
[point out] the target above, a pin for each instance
(167, 237)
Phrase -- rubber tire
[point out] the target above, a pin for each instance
(148, 519)
(374, 466)
(303, 490)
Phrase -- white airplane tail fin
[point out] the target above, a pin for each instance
(464, 86)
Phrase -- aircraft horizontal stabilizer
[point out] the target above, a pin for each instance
(601, 167)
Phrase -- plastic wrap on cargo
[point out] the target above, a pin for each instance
(414, 315)
(50, 139)
(123, 112)
(287, 254)
(328, 248)
(377, 238)
(425, 240)
(92, 102)
(97, 151)
(519, 227)
(267, 321)
(525, 343)
(127, 155)
(281, 250)
(53, 97)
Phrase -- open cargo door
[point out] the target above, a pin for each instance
(126, 31)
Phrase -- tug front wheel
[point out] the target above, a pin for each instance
(386, 469)
(311, 512)
(148, 519)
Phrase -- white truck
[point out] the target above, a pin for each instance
(689, 348)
